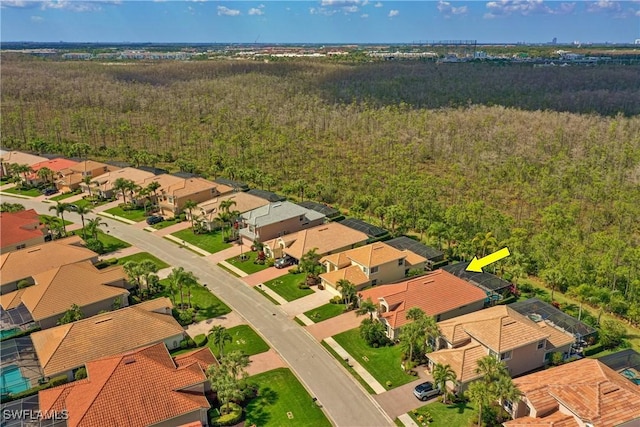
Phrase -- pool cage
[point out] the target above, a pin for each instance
(28, 408)
(15, 321)
(19, 367)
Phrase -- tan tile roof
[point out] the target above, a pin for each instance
(37, 259)
(340, 260)
(134, 389)
(165, 180)
(195, 185)
(434, 293)
(463, 360)
(16, 227)
(353, 274)
(105, 181)
(20, 158)
(244, 203)
(374, 254)
(57, 289)
(68, 346)
(324, 238)
(588, 388)
(557, 338)
(412, 258)
(88, 165)
(500, 328)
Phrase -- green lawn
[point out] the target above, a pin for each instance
(245, 339)
(136, 215)
(63, 196)
(85, 202)
(32, 192)
(287, 286)
(452, 415)
(142, 256)
(42, 218)
(210, 242)
(348, 368)
(383, 363)
(109, 242)
(266, 295)
(166, 223)
(208, 304)
(325, 312)
(281, 393)
(248, 264)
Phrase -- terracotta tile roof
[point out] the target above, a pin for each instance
(55, 165)
(434, 293)
(20, 158)
(463, 360)
(105, 181)
(374, 254)
(37, 259)
(16, 227)
(202, 357)
(587, 388)
(353, 274)
(500, 328)
(57, 289)
(190, 186)
(66, 347)
(325, 238)
(133, 389)
(557, 419)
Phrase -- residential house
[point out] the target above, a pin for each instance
(103, 185)
(136, 389)
(499, 331)
(495, 287)
(23, 265)
(210, 209)
(19, 230)
(326, 210)
(175, 196)
(276, 219)
(54, 165)
(66, 348)
(327, 238)
(267, 195)
(433, 256)
(584, 393)
(370, 265)
(374, 232)
(54, 291)
(71, 178)
(9, 158)
(438, 294)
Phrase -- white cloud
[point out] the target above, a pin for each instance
(604, 6)
(364, 15)
(446, 9)
(18, 3)
(256, 11)
(526, 7)
(222, 10)
(36, 18)
(393, 13)
(377, 4)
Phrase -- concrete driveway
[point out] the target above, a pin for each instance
(264, 275)
(401, 400)
(335, 325)
(300, 305)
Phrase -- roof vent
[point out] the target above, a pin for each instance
(129, 360)
(275, 205)
(34, 250)
(104, 320)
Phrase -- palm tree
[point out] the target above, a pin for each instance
(21, 169)
(93, 225)
(219, 336)
(189, 205)
(189, 280)
(505, 389)
(347, 289)
(310, 264)
(441, 375)
(225, 205)
(45, 174)
(484, 242)
(224, 218)
(121, 185)
(439, 231)
(153, 187)
(83, 210)
(366, 307)
(478, 392)
(87, 181)
(491, 369)
(60, 209)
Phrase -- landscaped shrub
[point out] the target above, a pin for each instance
(590, 351)
(200, 340)
(185, 317)
(269, 262)
(95, 245)
(294, 270)
(229, 419)
(187, 343)
(336, 300)
(303, 285)
(80, 374)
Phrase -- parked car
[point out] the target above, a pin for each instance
(49, 191)
(425, 390)
(154, 219)
(283, 262)
(73, 208)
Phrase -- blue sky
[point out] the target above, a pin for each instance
(319, 21)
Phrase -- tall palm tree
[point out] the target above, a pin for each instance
(347, 290)
(441, 375)
(87, 181)
(93, 225)
(153, 187)
(367, 307)
(83, 210)
(60, 209)
(491, 369)
(220, 336)
(478, 392)
(189, 206)
(505, 389)
(121, 185)
(45, 174)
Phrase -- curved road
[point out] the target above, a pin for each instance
(343, 399)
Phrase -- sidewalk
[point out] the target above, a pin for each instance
(224, 254)
(407, 420)
(186, 245)
(233, 268)
(364, 374)
(172, 229)
(309, 302)
(272, 294)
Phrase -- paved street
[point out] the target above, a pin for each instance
(344, 400)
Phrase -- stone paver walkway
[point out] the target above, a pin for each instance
(364, 374)
(265, 275)
(227, 320)
(264, 362)
(407, 420)
(401, 399)
(7, 186)
(300, 305)
(335, 325)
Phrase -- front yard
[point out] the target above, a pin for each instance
(32, 192)
(245, 339)
(452, 415)
(247, 263)
(136, 215)
(208, 305)
(325, 312)
(383, 363)
(141, 256)
(63, 196)
(282, 401)
(109, 243)
(287, 286)
(211, 242)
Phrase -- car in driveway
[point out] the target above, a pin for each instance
(283, 262)
(425, 390)
(154, 219)
(49, 191)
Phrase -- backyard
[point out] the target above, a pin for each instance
(452, 415)
(141, 256)
(247, 264)
(283, 401)
(208, 305)
(325, 312)
(383, 363)
(287, 286)
(210, 242)
(136, 215)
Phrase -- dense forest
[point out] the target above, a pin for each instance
(469, 156)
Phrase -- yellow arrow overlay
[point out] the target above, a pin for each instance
(477, 264)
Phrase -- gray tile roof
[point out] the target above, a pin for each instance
(276, 212)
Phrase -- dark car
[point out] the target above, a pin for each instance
(425, 390)
(73, 208)
(283, 262)
(154, 219)
(49, 191)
